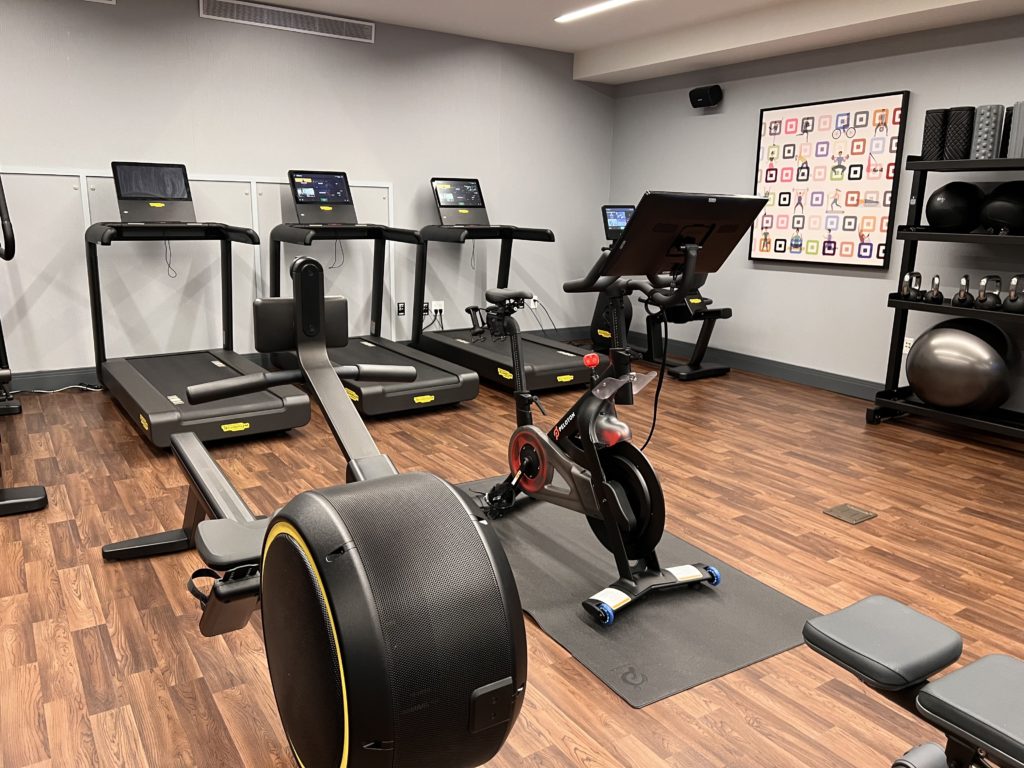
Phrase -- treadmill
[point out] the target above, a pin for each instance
(549, 364)
(325, 210)
(155, 201)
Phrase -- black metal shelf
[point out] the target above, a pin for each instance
(1000, 421)
(979, 238)
(966, 166)
(947, 309)
(894, 400)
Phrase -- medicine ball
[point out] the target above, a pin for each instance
(955, 207)
(1002, 212)
(962, 363)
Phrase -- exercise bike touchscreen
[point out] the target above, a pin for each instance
(616, 217)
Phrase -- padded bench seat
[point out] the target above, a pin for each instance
(982, 703)
(885, 643)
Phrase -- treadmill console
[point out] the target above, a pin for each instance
(460, 202)
(322, 197)
(616, 217)
(153, 192)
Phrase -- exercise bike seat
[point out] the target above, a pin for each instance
(225, 544)
(501, 295)
(981, 704)
(888, 645)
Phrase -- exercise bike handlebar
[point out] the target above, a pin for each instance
(7, 244)
(209, 391)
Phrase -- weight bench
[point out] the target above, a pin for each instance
(895, 649)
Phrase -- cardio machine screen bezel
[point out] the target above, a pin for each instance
(121, 195)
(614, 234)
(453, 179)
(301, 201)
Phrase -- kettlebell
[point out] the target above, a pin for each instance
(963, 298)
(934, 295)
(1015, 299)
(988, 298)
(911, 288)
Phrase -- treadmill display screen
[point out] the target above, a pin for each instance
(616, 217)
(151, 181)
(458, 193)
(321, 188)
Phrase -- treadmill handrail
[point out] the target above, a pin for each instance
(107, 232)
(454, 233)
(208, 480)
(304, 234)
(7, 244)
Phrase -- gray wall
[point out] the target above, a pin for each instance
(87, 83)
(829, 319)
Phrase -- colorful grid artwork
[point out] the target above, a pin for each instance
(830, 171)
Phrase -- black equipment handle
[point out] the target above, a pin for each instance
(258, 382)
(476, 315)
(7, 244)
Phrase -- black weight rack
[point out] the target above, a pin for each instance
(894, 400)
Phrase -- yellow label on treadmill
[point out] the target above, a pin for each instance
(696, 301)
(504, 374)
(423, 399)
(463, 210)
(352, 394)
(157, 205)
(235, 426)
(603, 333)
(326, 207)
(565, 378)
(144, 422)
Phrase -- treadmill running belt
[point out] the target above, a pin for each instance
(171, 375)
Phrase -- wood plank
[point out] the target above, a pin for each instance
(117, 739)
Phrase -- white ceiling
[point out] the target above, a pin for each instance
(650, 38)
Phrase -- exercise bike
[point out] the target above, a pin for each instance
(586, 462)
(393, 629)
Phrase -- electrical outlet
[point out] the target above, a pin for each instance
(908, 342)
(534, 303)
(436, 306)
(426, 309)
(401, 309)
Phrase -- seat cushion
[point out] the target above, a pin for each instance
(499, 295)
(885, 643)
(981, 704)
(227, 544)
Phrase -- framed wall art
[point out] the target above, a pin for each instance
(830, 171)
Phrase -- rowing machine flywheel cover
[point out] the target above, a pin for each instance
(393, 629)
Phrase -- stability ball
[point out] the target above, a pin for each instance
(962, 363)
(1003, 210)
(955, 207)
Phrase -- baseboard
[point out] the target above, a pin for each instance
(47, 381)
(832, 382)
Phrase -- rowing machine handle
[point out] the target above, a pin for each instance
(258, 382)
(376, 372)
(209, 391)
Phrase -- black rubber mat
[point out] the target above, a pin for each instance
(661, 646)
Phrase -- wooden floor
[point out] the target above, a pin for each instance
(103, 664)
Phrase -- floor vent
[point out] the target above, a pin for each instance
(274, 17)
